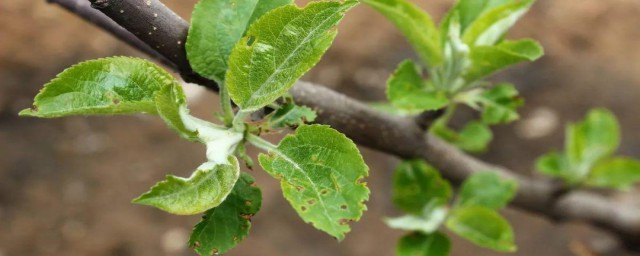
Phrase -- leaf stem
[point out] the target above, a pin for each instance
(225, 104)
(260, 143)
(238, 121)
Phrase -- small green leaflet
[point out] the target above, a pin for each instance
(486, 189)
(487, 60)
(598, 136)
(321, 173)
(469, 10)
(498, 104)
(490, 27)
(416, 25)
(118, 85)
(482, 226)
(278, 49)
(207, 187)
(616, 173)
(417, 185)
(475, 137)
(291, 115)
(406, 90)
(223, 227)
(216, 26)
(586, 143)
(418, 244)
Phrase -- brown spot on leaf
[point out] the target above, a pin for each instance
(246, 216)
(248, 203)
(311, 202)
(343, 222)
(343, 207)
(299, 188)
(116, 101)
(302, 208)
(196, 244)
(324, 192)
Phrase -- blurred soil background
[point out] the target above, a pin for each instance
(65, 184)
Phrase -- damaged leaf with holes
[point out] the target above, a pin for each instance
(278, 49)
(226, 225)
(216, 26)
(320, 171)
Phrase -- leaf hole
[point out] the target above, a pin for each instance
(251, 40)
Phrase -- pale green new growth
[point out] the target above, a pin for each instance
(224, 227)
(216, 26)
(426, 223)
(418, 244)
(617, 173)
(490, 27)
(278, 49)
(321, 173)
(408, 91)
(291, 115)
(487, 60)
(486, 189)
(416, 25)
(207, 187)
(482, 226)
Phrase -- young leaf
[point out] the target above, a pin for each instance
(587, 142)
(223, 227)
(487, 60)
(407, 90)
(118, 85)
(474, 137)
(498, 104)
(554, 164)
(291, 115)
(482, 226)
(207, 187)
(491, 26)
(278, 49)
(321, 173)
(426, 223)
(417, 185)
(470, 10)
(486, 189)
(216, 26)
(419, 244)
(616, 173)
(416, 25)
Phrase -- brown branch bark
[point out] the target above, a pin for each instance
(399, 136)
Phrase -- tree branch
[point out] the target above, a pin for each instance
(157, 26)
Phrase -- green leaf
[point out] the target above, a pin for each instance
(598, 136)
(474, 137)
(321, 173)
(486, 60)
(426, 223)
(482, 226)
(118, 85)
(417, 185)
(486, 189)
(406, 90)
(498, 104)
(216, 26)
(491, 26)
(291, 115)
(470, 10)
(416, 25)
(207, 187)
(223, 227)
(278, 49)
(554, 164)
(616, 173)
(418, 244)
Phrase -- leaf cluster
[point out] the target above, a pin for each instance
(468, 46)
(426, 197)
